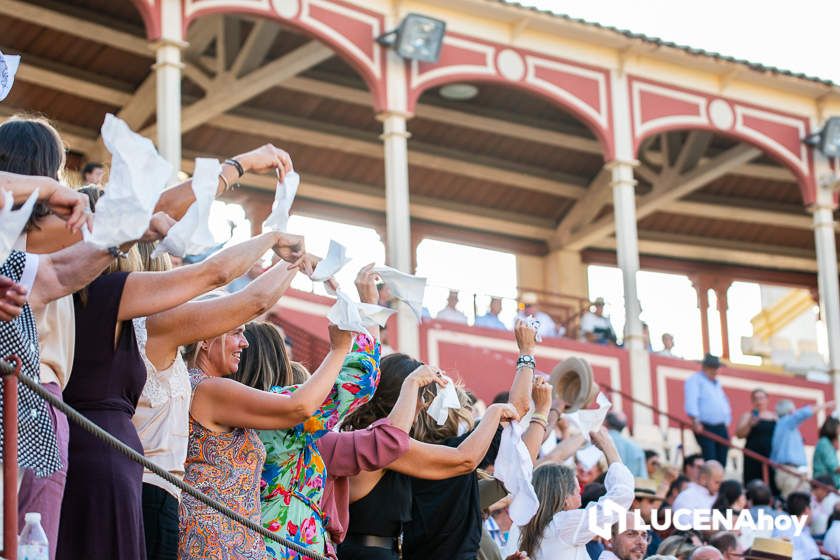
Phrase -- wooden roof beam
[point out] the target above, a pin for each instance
(80, 27)
(670, 190)
(739, 214)
(585, 208)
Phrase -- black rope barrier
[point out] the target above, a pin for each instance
(102, 435)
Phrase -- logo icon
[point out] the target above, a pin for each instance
(611, 512)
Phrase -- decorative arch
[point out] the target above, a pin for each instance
(581, 89)
(656, 107)
(350, 30)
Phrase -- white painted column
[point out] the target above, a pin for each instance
(397, 207)
(823, 212)
(168, 68)
(627, 247)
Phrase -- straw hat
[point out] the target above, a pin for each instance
(769, 549)
(574, 383)
(646, 488)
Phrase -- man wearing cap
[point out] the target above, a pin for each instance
(787, 447)
(450, 312)
(547, 327)
(707, 405)
(631, 454)
(491, 320)
(595, 326)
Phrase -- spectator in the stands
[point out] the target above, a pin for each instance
(706, 552)
(674, 489)
(691, 466)
(788, 447)
(798, 504)
(831, 541)
(629, 544)
(450, 313)
(92, 173)
(645, 500)
(667, 346)
(823, 502)
(759, 500)
(490, 320)
(728, 544)
(595, 326)
(530, 308)
(701, 495)
(825, 453)
(757, 425)
(730, 496)
(707, 405)
(646, 337)
(631, 454)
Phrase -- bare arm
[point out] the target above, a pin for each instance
(745, 425)
(63, 201)
(202, 320)
(176, 200)
(436, 462)
(227, 403)
(564, 449)
(177, 286)
(538, 428)
(520, 390)
(66, 272)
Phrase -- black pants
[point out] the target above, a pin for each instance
(710, 449)
(160, 520)
(353, 551)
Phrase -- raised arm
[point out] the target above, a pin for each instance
(564, 449)
(202, 320)
(520, 390)
(405, 409)
(66, 203)
(177, 286)
(745, 424)
(538, 428)
(228, 403)
(436, 462)
(176, 200)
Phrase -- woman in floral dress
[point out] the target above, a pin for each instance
(294, 474)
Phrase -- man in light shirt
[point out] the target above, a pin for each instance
(701, 495)
(787, 446)
(491, 319)
(548, 328)
(707, 405)
(450, 313)
(804, 547)
(631, 454)
(823, 502)
(595, 326)
(667, 346)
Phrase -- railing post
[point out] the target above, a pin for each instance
(10, 466)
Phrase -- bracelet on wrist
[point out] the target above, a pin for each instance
(540, 422)
(526, 360)
(540, 416)
(225, 181)
(237, 165)
(117, 253)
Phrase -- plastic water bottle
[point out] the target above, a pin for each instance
(33, 544)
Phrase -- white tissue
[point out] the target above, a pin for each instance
(8, 68)
(192, 235)
(284, 195)
(12, 222)
(138, 175)
(405, 287)
(588, 456)
(590, 420)
(349, 315)
(514, 467)
(533, 323)
(334, 261)
(446, 399)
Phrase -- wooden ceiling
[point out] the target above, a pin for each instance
(506, 169)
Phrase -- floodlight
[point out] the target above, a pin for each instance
(418, 38)
(827, 140)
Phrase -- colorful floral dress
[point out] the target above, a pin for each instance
(225, 466)
(294, 473)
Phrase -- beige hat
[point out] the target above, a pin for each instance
(574, 383)
(528, 298)
(769, 549)
(646, 488)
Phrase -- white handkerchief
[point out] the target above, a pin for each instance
(8, 68)
(405, 287)
(138, 175)
(349, 315)
(284, 195)
(12, 222)
(514, 467)
(192, 235)
(446, 399)
(334, 261)
(591, 420)
(532, 322)
(589, 456)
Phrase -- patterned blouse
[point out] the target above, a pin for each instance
(294, 473)
(225, 466)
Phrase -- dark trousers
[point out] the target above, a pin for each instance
(711, 449)
(160, 519)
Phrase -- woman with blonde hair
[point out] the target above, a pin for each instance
(560, 528)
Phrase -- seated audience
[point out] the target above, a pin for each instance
(798, 505)
(450, 312)
(701, 495)
(631, 453)
(595, 326)
(491, 320)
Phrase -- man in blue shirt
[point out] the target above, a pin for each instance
(631, 454)
(491, 319)
(787, 447)
(708, 408)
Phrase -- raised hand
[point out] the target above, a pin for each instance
(289, 247)
(366, 285)
(266, 158)
(340, 340)
(425, 375)
(541, 393)
(12, 299)
(158, 227)
(69, 205)
(526, 337)
(507, 411)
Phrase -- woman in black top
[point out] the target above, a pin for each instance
(440, 465)
(757, 425)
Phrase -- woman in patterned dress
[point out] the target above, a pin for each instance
(225, 455)
(294, 474)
